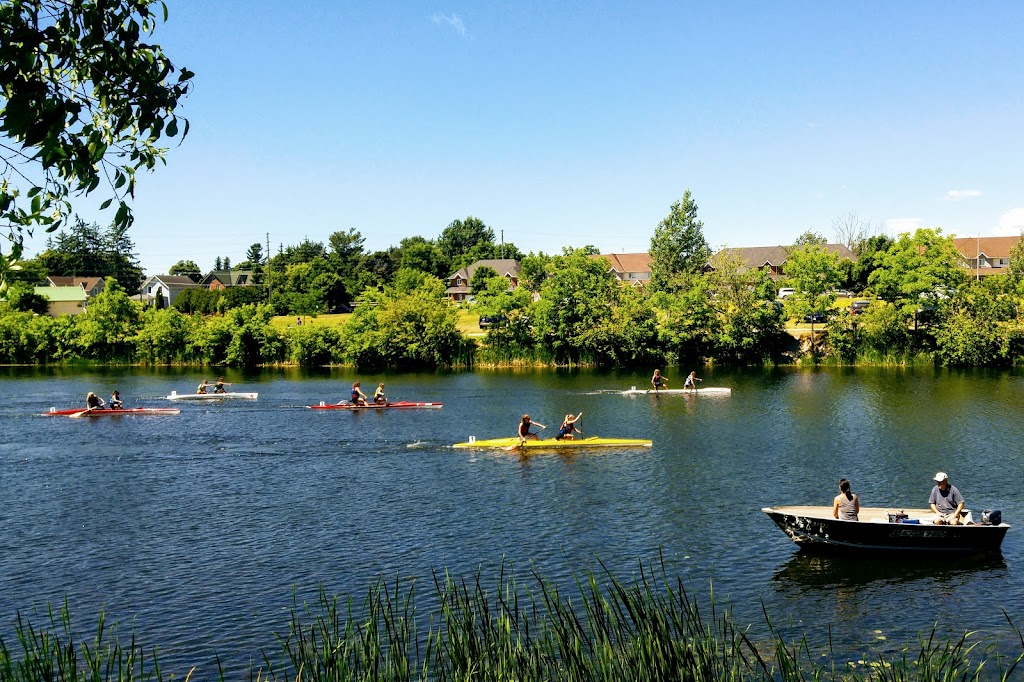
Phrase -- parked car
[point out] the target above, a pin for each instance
(857, 307)
(840, 293)
(814, 317)
(486, 322)
(786, 291)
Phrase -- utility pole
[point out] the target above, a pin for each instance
(268, 268)
(503, 244)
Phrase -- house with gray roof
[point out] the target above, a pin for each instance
(458, 282)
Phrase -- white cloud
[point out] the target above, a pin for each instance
(897, 226)
(1011, 223)
(454, 21)
(960, 194)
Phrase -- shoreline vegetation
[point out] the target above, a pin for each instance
(650, 629)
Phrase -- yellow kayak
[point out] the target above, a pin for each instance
(592, 442)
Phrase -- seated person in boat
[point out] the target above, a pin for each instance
(219, 386)
(658, 381)
(691, 381)
(568, 426)
(946, 501)
(94, 402)
(115, 401)
(524, 432)
(203, 388)
(846, 505)
(378, 395)
(358, 397)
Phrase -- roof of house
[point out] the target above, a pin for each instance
(172, 281)
(990, 247)
(505, 267)
(229, 278)
(759, 256)
(87, 283)
(628, 262)
(73, 293)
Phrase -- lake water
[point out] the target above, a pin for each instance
(198, 530)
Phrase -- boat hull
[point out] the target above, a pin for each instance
(212, 396)
(814, 529)
(551, 443)
(372, 406)
(710, 390)
(97, 413)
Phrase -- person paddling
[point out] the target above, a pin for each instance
(658, 381)
(691, 381)
(378, 395)
(203, 388)
(115, 401)
(358, 397)
(219, 386)
(565, 431)
(94, 402)
(524, 432)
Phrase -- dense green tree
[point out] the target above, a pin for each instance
(108, 328)
(690, 323)
(751, 327)
(1015, 269)
(377, 269)
(512, 336)
(869, 255)
(424, 255)
(809, 238)
(22, 297)
(163, 334)
(678, 249)
(924, 265)
(314, 345)
(813, 271)
(461, 236)
(186, 268)
(254, 256)
(86, 98)
(480, 277)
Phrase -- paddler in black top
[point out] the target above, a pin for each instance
(115, 401)
(94, 402)
(524, 432)
(219, 386)
(358, 397)
(378, 395)
(658, 381)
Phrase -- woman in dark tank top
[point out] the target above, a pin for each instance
(846, 505)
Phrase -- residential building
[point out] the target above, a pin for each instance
(168, 287)
(64, 300)
(91, 285)
(773, 258)
(984, 256)
(632, 268)
(222, 279)
(458, 282)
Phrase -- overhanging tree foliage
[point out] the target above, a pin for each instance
(85, 100)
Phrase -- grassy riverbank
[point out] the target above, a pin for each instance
(652, 629)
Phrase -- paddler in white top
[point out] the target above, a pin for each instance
(378, 395)
(691, 381)
(203, 388)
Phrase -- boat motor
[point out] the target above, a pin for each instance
(991, 517)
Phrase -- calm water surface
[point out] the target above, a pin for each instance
(197, 531)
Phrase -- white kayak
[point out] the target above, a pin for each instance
(212, 396)
(710, 390)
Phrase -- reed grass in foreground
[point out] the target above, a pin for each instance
(648, 630)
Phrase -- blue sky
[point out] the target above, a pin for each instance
(574, 123)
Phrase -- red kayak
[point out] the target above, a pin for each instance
(371, 406)
(80, 412)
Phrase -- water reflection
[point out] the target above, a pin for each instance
(814, 571)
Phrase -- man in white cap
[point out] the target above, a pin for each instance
(946, 501)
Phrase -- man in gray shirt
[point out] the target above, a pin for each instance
(946, 501)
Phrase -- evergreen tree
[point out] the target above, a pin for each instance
(678, 248)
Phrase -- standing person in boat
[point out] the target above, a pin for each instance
(219, 386)
(691, 381)
(203, 388)
(846, 505)
(524, 433)
(378, 395)
(946, 501)
(565, 431)
(358, 397)
(658, 381)
(94, 402)
(115, 401)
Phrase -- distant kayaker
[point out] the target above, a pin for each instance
(658, 381)
(94, 402)
(846, 505)
(565, 431)
(358, 397)
(219, 386)
(203, 388)
(378, 395)
(691, 381)
(524, 432)
(115, 401)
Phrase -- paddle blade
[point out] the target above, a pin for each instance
(79, 415)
